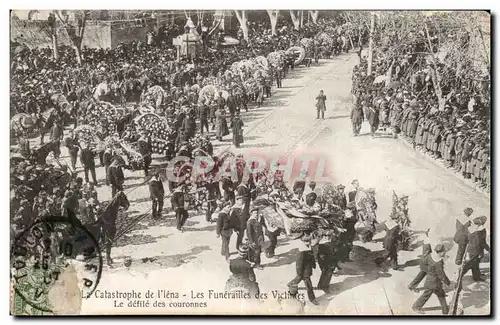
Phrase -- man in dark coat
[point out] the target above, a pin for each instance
(304, 265)
(73, 148)
(177, 201)
(157, 192)
(144, 144)
(231, 104)
(237, 126)
(476, 247)
(327, 262)
(373, 118)
(87, 157)
(228, 187)
(115, 175)
(242, 274)
(461, 234)
(203, 112)
(426, 250)
(434, 281)
(212, 195)
(221, 102)
(357, 118)
(391, 241)
(255, 234)
(277, 76)
(224, 230)
(56, 135)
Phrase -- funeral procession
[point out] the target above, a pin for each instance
(250, 162)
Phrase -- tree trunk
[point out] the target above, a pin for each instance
(242, 19)
(301, 18)
(273, 16)
(314, 15)
(54, 46)
(436, 78)
(78, 53)
(295, 20)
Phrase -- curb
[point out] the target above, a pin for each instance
(458, 176)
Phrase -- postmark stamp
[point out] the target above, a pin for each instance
(42, 252)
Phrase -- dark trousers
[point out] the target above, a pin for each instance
(181, 217)
(254, 254)
(278, 82)
(373, 129)
(157, 207)
(73, 155)
(325, 278)
(427, 294)
(392, 255)
(273, 242)
(268, 91)
(86, 170)
(229, 196)
(307, 283)
(101, 158)
(239, 238)
(225, 246)
(212, 206)
(322, 112)
(460, 253)
(203, 124)
(473, 264)
(416, 281)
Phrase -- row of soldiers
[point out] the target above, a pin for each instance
(459, 135)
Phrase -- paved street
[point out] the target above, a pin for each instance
(162, 256)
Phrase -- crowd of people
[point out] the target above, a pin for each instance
(459, 135)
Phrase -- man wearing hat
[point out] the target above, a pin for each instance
(352, 194)
(87, 158)
(242, 273)
(115, 175)
(462, 234)
(223, 229)
(391, 241)
(144, 144)
(436, 276)
(476, 247)
(156, 192)
(177, 201)
(255, 235)
(203, 112)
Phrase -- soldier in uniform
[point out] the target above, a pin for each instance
(461, 234)
(56, 135)
(144, 144)
(115, 175)
(228, 187)
(436, 276)
(71, 143)
(87, 158)
(391, 241)
(475, 249)
(223, 229)
(242, 274)
(305, 264)
(177, 201)
(156, 192)
(255, 235)
(357, 117)
(203, 112)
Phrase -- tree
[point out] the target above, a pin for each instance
(74, 29)
(273, 16)
(295, 15)
(241, 15)
(314, 15)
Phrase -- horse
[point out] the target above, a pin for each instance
(107, 222)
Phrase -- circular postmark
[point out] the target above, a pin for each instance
(43, 251)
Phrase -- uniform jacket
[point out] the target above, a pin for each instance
(115, 175)
(87, 158)
(177, 200)
(392, 235)
(255, 232)
(156, 189)
(435, 273)
(477, 242)
(223, 224)
(462, 233)
(241, 269)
